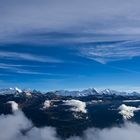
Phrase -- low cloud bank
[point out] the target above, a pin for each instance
(129, 131)
(18, 127)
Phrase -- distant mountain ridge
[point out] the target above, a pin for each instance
(10, 91)
(92, 91)
(74, 93)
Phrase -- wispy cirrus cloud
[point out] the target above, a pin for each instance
(27, 56)
(27, 70)
(18, 69)
(96, 17)
(105, 53)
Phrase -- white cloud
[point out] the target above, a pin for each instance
(14, 105)
(129, 131)
(27, 56)
(77, 105)
(86, 16)
(23, 69)
(46, 104)
(131, 101)
(127, 111)
(12, 125)
(111, 52)
(88, 21)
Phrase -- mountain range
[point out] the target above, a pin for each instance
(74, 93)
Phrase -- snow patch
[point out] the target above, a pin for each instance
(95, 101)
(18, 90)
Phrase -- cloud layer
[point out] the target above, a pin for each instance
(17, 126)
(108, 52)
(14, 126)
(27, 56)
(95, 17)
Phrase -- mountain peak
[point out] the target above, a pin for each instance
(18, 90)
(10, 91)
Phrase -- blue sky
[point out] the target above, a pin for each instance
(50, 45)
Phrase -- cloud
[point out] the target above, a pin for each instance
(47, 104)
(14, 105)
(27, 56)
(126, 132)
(77, 105)
(17, 126)
(23, 69)
(131, 101)
(88, 21)
(109, 52)
(127, 111)
(11, 125)
(86, 16)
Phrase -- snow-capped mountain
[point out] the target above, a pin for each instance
(10, 91)
(76, 93)
(92, 91)
(112, 92)
(15, 91)
(86, 92)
